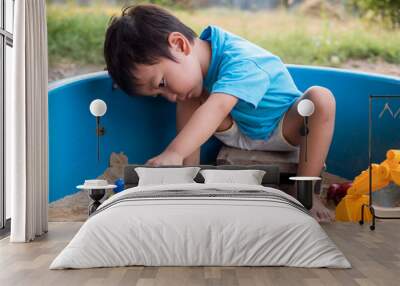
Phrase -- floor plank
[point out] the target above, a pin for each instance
(374, 255)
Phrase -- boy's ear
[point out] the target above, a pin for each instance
(179, 43)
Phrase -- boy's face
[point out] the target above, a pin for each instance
(176, 81)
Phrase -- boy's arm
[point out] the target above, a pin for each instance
(201, 126)
(203, 123)
(184, 110)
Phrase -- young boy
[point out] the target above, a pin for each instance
(222, 84)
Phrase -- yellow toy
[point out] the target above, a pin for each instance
(349, 208)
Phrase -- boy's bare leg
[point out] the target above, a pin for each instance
(321, 126)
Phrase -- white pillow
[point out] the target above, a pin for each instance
(166, 175)
(249, 177)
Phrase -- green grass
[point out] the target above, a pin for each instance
(76, 34)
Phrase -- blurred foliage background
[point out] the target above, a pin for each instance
(315, 32)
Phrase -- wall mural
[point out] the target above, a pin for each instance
(75, 207)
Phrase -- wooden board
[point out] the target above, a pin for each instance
(286, 161)
(374, 255)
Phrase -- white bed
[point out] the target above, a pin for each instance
(264, 229)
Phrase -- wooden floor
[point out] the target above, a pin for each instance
(375, 257)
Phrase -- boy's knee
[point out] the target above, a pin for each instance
(323, 100)
(320, 92)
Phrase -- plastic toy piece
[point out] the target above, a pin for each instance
(349, 208)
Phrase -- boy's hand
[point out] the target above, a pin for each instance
(166, 158)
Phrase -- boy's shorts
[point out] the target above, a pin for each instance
(276, 142)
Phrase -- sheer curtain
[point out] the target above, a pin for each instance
(26, 124)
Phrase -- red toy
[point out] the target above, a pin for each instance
(337, 191)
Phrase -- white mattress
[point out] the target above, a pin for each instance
(183, 231)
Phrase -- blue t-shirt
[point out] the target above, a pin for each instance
(256, 77)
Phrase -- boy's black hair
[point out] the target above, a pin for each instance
(139, 36)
